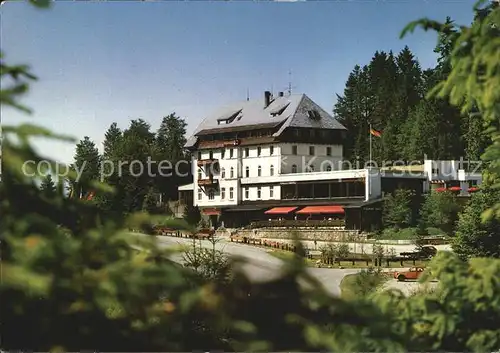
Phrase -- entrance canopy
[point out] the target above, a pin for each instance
(210, 212)
(280, 210)
(321, 210)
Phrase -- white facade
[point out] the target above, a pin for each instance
(446, 171)
(302, 158)
(257, 173)
(253, 173)
(441, 170)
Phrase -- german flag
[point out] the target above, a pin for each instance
(375, 133)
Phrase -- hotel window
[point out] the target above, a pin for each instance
(199, 174)
(271, 170)
(199, 155)
(222, 153)
(328, 168)
(271, 150)
(328, 151)
(223, 173)
(247, 152)
(259, 151)
(435, 171)
(312, 133)
(231, 193)
(223, 193)
(294, 150)
(247, 193)
(294, 168)
(311, 150)
(296, 132)
(259, 171)
(231, 172)
(259, 192)
(271, 192)
(200, 194)
(231, 152)
(247, 172)
(211, 155)
(211, 195)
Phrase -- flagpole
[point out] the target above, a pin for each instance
(369, 173)
(370, 132)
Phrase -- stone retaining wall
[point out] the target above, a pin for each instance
(319, 234)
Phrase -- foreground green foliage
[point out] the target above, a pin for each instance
(74, 278)
(474, 78)
(475, 238)
(461, 315)
(440, 210)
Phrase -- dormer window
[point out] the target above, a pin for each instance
(228, 118)
(279, 110)
(313, 114)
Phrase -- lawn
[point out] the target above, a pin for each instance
(406, 234)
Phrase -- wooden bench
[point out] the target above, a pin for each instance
(238, 239)
(205, 233)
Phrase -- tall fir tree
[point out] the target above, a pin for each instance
(113, 142)
(87, 162)
(136, 153)
(169, 146)
(48, 186)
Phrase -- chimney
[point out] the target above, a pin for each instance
(280, 94)
(267, 99)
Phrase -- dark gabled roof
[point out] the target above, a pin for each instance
(227, 128)
(291, 111)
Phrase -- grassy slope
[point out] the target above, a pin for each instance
(361, 284)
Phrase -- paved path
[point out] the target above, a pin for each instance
(261, 266)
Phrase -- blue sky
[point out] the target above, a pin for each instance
(100, 62)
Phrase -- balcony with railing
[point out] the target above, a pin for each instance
(210, 181)
(205, 162)
(311, 191)
(334, 223)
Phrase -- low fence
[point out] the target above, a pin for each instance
(263, 242)
(326, 234)
(201, 234)
(426, 241)
(372, 260)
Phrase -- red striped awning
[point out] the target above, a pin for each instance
(473, 189)
(440, 189)
(322, 210)
(280, 210)
(455, 188)
(210, 212)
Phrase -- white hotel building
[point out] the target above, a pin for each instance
(281, 158)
